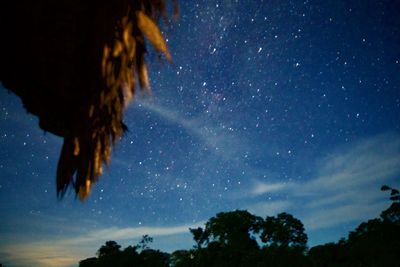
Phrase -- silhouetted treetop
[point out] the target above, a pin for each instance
(373, 243)
(233, 228)
(109, 249)
(393, 212)
(283, 230)
(241, 239)
(200, 236)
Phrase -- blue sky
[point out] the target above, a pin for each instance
(268, 106)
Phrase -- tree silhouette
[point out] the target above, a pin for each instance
(74, 64)
(154, 258)
(89, 262)
(373, 243)
(130, 257)
(110, 248)
(231, 239)
(110, 254)
(200, 236)
(284, 231)
(144, 242)
(234, 228)
(393, 212)
(330, 254)
(241, 239)
(182, 258)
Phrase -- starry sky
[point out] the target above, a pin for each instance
(269, 106)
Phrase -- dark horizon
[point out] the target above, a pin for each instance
(239, 238)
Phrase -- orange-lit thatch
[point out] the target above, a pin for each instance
(74, 64)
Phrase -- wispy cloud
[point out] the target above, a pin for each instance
(348, 178)
(345, 188)
(115, 233)
(208, 130)
(69, 251)
(260, 188)
(333, 216)
(365, 163)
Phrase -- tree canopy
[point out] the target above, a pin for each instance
(234, 228)
(373, 243)
(239, 238)
(284, 230)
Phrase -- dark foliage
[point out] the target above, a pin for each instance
(373, 243)
(234, 229)
(284, 231)
(110, 254)
(200, 236)
(231, 239)
(241, 239)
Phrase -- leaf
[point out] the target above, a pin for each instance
(76, 147)
(143, 76)
(394, 198)
(118, 47)
(67, 166)
(84, 190)
(153, 33)
(394, 192)
(385, 188)
(106, 54)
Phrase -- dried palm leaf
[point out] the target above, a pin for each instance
(153, 33)
(75, 68)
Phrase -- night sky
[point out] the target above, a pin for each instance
(269, 106)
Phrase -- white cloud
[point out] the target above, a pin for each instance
(345, 188)
(346, 196)
(206, 129)
(333, 216)
(367, 163)
(357, 167)
(260, 188)
(115, 233)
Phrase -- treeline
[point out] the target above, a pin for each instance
(239, 238)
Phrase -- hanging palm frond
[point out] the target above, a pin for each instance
(75, 65)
